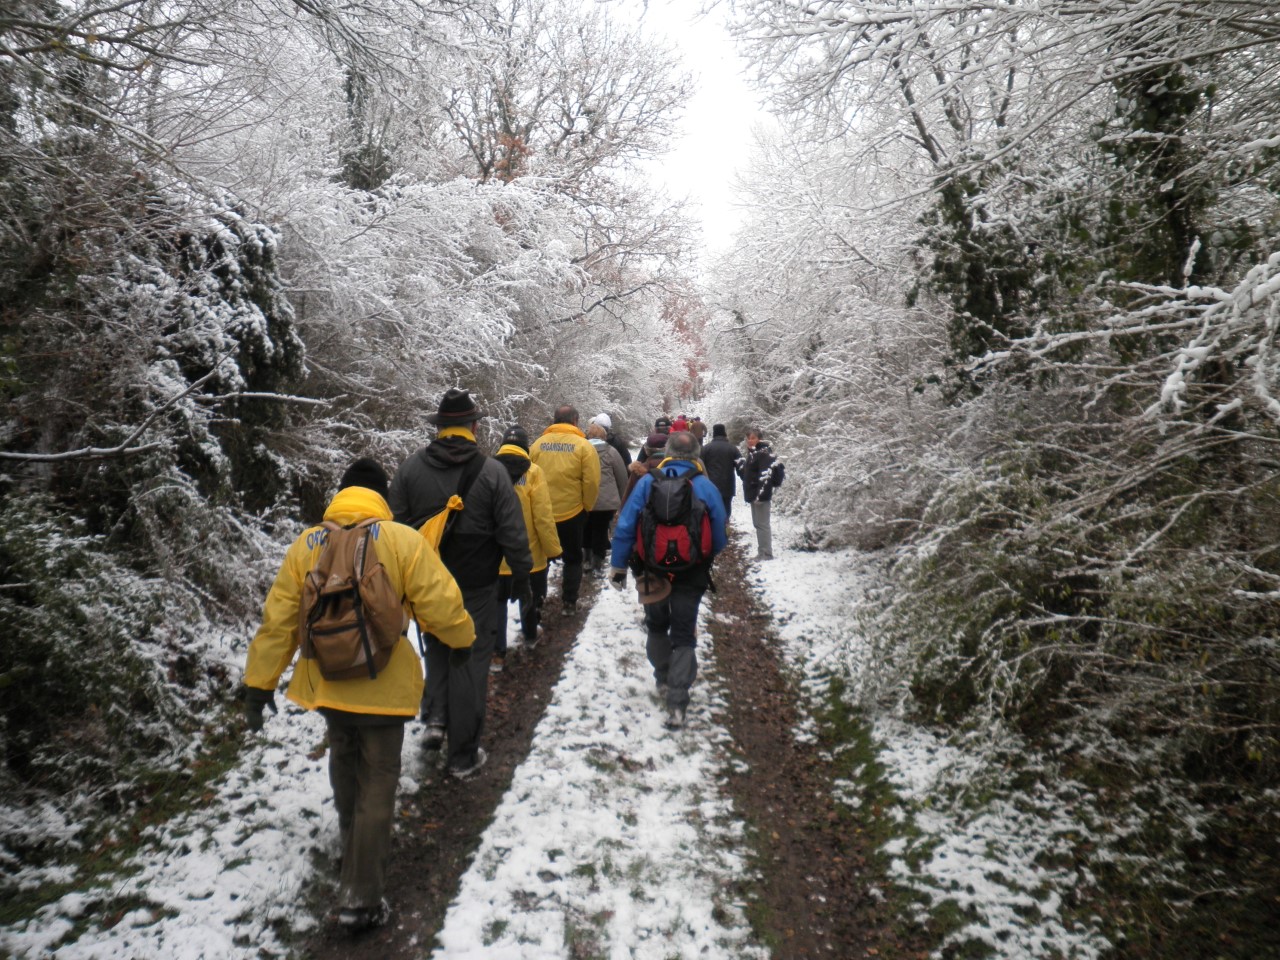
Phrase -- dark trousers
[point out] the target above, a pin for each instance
(570, 532)
(456, 697)
(530, 613)
(597, 534)
(364, 771)
(672, 627)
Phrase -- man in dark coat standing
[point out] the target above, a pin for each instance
(761, 472)
(720, 457)
(489, 529)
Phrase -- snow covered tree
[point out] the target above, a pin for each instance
(1100, 192)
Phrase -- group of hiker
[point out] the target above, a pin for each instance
(447, 543)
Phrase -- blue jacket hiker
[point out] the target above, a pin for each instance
(671, 593)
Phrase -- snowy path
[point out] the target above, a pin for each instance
(616, 836)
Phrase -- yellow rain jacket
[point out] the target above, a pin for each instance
(535, 501)
(572, 469)
(415, 571)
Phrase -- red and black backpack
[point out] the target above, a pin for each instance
(674, 533)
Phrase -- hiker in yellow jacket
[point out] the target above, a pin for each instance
(365, 717)
(572, 469)
(544, 543)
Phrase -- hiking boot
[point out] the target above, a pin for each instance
(464, 773)
(495, 665)
(531, 643)
(569, 606)
(434, 739)
(675, 718)
(357, 919)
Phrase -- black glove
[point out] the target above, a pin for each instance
(459, 657)
(521, 591)
(255, 700)
(556, 559)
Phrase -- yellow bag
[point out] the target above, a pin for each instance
(435, 527)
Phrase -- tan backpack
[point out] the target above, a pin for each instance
(350, 617)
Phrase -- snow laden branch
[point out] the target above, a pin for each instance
(127, 446)
(1235, 327)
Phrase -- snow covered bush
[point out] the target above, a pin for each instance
(102, 674)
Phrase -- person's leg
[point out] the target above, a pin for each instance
(598, 538)
(531, 612)
(469, 685)
(435, 696)
(683, 670)
(344, 758)
(571, 532)
(504, 597)
(760, 520)
(765, 537)
(657, 623)
(364, 862)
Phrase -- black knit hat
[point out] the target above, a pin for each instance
(365, 472)
(518, 436)
(662, 425)
(456, 408)
(718, 431)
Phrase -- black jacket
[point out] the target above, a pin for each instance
(490, 527)
(613, 440)
(761, 472)
(720, 458)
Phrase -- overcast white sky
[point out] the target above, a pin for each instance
(715, 131)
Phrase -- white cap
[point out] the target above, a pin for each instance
(603, 420)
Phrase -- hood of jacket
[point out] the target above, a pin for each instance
(514, 459)
(454, 447)
(353, 504)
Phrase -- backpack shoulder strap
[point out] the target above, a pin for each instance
(469, 474)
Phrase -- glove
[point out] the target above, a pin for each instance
(556, 559)
(255, 700)
(521, 591)
(617, 577)
(459, 657)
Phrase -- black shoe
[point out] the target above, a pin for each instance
(569, 606)
(434, 739)
(357, 919)
(675, 718)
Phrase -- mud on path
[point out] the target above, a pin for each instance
(813, 899)
(817, 864)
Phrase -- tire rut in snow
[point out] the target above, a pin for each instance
(439, 827)
(815, 864)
